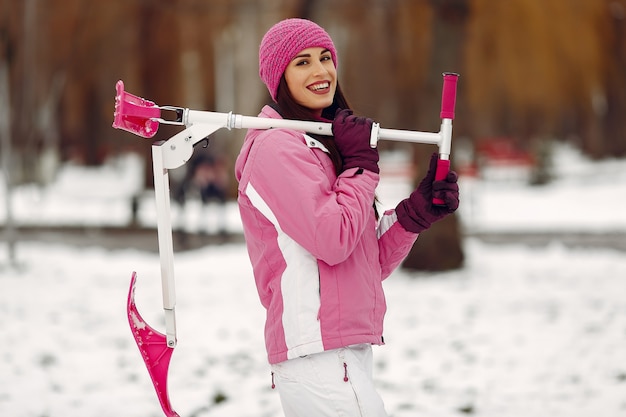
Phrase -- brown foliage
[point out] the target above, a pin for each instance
(538, 68)
(530, 67)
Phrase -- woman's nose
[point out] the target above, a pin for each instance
(319, 68)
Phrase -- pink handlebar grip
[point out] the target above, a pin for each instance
(443, 167)
(135, 114)
(448, 95)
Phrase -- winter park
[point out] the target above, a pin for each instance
(519, 331)
(531, 321)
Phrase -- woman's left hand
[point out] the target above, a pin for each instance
(418, 213)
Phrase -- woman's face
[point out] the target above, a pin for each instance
(312, 79)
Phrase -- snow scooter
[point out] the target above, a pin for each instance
(142, 117)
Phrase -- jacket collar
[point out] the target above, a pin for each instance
(271, 112)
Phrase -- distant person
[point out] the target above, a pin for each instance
(318, 247)
(206, 177)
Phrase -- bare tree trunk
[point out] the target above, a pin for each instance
(615, 123)
(439, 248)
(5, 151)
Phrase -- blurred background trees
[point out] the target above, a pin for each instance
(531, 71)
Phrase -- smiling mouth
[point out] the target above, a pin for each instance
(319, 86)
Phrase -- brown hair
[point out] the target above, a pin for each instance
(290, 109)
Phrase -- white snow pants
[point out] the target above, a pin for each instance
(335, 383)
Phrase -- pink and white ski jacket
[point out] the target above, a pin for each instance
(318, 254)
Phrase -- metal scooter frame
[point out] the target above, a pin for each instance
(142, 117)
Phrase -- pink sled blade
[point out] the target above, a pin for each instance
(135, 114)
(154, 350)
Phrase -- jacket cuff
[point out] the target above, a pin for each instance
(409, 219)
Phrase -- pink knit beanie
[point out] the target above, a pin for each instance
(283, 42)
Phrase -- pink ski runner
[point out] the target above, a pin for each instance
(154, 350)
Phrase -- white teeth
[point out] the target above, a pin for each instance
(321, 86)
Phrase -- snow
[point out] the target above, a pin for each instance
(519, 331)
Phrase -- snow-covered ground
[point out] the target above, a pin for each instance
(518, 332)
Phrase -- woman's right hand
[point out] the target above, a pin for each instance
(352, 136)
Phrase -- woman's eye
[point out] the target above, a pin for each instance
(325, 58)
(303, 62)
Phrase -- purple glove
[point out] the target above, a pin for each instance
(352, 136)
(418, 213)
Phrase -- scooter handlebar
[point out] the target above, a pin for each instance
(448, 103)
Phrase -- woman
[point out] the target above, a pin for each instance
(318, 248)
